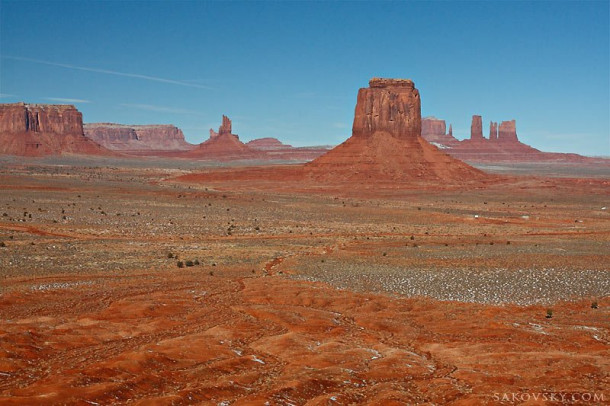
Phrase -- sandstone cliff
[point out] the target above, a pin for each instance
(432, 126)
(507, 132)
(476, 128)
(493, 131)
(44, 129)
(386, 144)
(137, 138)
(224, 146)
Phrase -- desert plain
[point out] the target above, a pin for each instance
(143, 281)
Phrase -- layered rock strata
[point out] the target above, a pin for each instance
(135, 138)
(386, 143)
(44, 129)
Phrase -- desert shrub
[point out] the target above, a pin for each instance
(549, 313)
(180, 264)
(170, 254)
(189, 263)
(593, 305)
(2, 244)
(196, 262)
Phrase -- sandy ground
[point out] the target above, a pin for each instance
(296, 296)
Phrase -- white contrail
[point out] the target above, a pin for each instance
(159, 109)
(65, 100)
(107, 72)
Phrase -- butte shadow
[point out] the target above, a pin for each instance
(385, 151)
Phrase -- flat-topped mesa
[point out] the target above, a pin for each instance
(44, 129)
(507, 132)
(476, 128)
(432, 126)
(392, 106)
(122, 137)
(48, 118)
(493, 131)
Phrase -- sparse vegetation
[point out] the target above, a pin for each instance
(549, 313)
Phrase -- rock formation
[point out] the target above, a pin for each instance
(476, 128)
(44, 129)
(433, 130)
(268, 144)
(386, 144)
(388, 105)
(493, 131)
(507, 132)
(503, 145)
(137, 138)
(432, 126)
(225, 127)
(224, 146)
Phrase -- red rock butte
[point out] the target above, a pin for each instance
(386, 143)
(223, 146)
(44, 129)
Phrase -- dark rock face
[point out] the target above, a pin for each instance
(450, 130)
(493, 131)
(44, 129)
(507, 132)
(476, 128)
(388, 105)
(121, 137)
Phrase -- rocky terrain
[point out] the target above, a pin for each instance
(44, 129)
(383, 272)
(137, 139)
(121, 285)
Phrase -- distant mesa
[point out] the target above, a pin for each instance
(44, 129)
(268, 144)
(503, 145)
(224, 146)
(138, 139)
(386, 143)
(433, 131)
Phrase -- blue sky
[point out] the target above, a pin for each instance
(292, 70)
